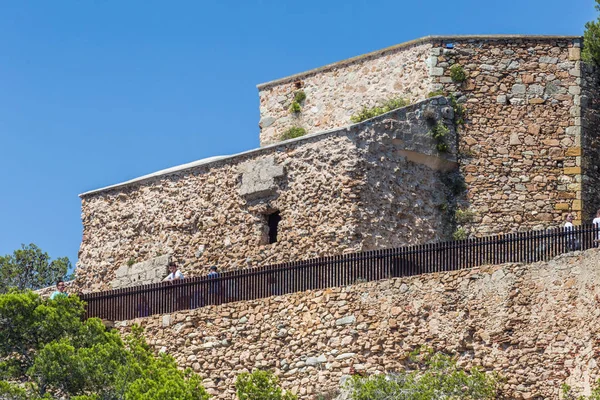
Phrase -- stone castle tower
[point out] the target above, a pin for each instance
(521, 149)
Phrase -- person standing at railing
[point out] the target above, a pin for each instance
(596, 223)
(174, 272)
(572, 242)
(60, 290)
(214, 291)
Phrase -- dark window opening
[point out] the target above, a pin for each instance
(273, 223)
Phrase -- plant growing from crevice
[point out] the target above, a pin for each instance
(457, 73)
(436, 93)
(296, 106)
(293, 132)
(464, 216)
(387, 106)
(428, 376)
(439, 133)
(130, 262)
(459, 110)
(460, 234)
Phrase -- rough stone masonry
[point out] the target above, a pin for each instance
(537, 325)
(529, 149)
(372, 185)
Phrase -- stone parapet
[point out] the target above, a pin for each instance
(536, 325)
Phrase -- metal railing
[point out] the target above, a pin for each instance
(341, 270)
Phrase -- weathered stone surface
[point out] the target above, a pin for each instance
(216, 213)
(536, 325)
(258, 177)
(141, 273)
(540, 93)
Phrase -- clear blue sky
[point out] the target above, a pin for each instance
(94, 93)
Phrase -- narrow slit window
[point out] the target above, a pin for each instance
(273, 223)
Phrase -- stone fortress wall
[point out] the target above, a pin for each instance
(537, 325)
(216, 212)
(528, 111)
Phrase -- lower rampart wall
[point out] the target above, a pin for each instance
(537, 325)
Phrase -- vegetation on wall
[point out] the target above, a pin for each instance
(387, 106)
(439, 133)
(260, 385)
(429, 376)
(464, 216)
(47, 351)
(457, 73)
(296, 105)
(591, 39)
(567, 393)
(460, 234)
(293, 132)
(31, 268)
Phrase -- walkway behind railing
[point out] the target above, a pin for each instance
(319, 273)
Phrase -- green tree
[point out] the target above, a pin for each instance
(430, 376)
(260, 385)
(31, 268)
(52, 352)
(591, 39)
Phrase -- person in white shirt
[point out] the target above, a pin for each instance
(572, 242)
(596, 223)
(174, 272)
(569, 223)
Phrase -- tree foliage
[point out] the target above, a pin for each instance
(31, 268)
(260, 385)
(591, 39)
(48, 351)
(430, 376)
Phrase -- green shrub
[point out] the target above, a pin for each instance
(464, 216)
(435, 93)
(459, 110)
(299, 97)
(130, 262)
(434, 376)
(457, 73)
(387, 106)
(295, 108)
(293, 132)
(439, 133)
(61, 353)
(567, 393)
(460, 234)
(591, 40)
(260, 385)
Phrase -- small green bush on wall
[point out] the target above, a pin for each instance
(457, 73)
(299, 97)
(260, 385)
(387, 106)
(293, 132)
(439, 133)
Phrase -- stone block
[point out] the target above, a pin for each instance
(519, 89)
(574, 54)
(574, 90)
(548, 60)
(573, 152)
(436, 71)
(572, 171)
(577, 205)
(258, 177)
(573, 131)
(122, 271)
(561, 206)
